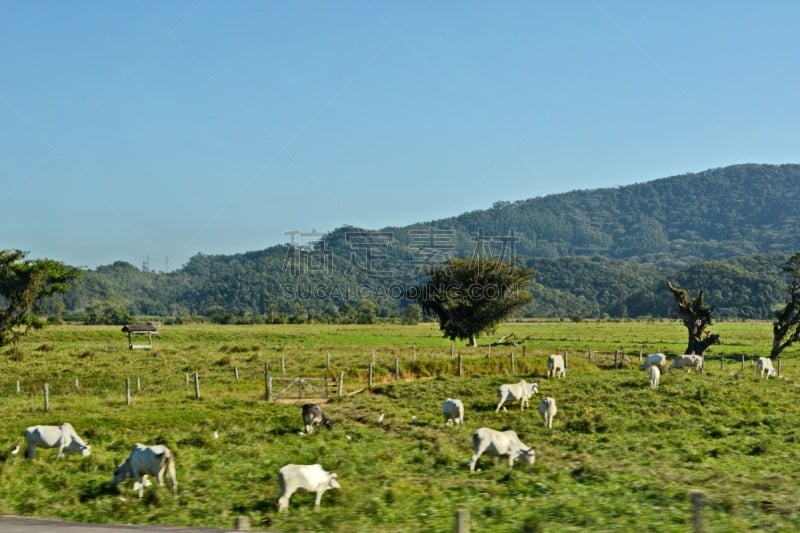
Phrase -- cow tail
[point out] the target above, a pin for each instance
(172, 477)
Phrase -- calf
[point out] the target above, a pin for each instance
(657, 359)
(453, 411)
(547, 409)
(313, 416)
(555, 366)
(764, 368)
(307, 477)
(492, 442)
(144, 460)
(62, 437)
(688, 361)
(655, 376)
(521, 391)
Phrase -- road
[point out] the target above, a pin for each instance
(16, 524)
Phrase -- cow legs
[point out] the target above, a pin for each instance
(473, 463)
(499, 405)
(319, 498)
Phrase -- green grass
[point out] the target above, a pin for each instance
(620, 456)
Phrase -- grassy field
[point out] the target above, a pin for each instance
(619, 457)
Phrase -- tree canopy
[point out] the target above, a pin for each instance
(786, 327)
(23, 285)
(472, 296)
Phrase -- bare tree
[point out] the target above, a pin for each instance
(696, 316)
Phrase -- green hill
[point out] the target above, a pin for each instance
(596, 253)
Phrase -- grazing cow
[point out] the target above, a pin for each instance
(313, 416)
(547, 408)
(655, 376)
(688, 361)
(521, 391)
(657, 359)
(764, 368)
(144, 460)
(453, 411)
(62, 437)
(307, 477)
(555, 366)
(492, 442)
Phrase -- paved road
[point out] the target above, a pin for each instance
(15, 524)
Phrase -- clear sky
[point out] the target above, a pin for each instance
(136, 129)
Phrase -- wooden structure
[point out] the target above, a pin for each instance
(140, 329)
(300, 388)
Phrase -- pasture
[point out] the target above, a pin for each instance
(619, 457)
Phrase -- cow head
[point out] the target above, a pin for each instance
(327, 422)
(527, 456)
(121, 473)
(535, 388)
(333, 481)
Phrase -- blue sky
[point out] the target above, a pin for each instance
(136, 129)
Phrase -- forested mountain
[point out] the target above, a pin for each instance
(596, 253)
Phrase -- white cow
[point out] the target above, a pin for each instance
(688, 361)
(555, 366)
(521, 391)
(307, 477)
(492, 442)
(655, 376)
(313, 416)
(453, 411)
(547, 409)
(764, 368)
(657, 359)
(154, 460)
(62, 437)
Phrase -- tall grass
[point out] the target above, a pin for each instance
(619, 457)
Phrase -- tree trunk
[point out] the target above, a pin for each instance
(473, 340)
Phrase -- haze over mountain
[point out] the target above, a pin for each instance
(603, 252)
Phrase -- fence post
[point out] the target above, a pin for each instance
(46, 396)
(328, 367)
(462, 521)
(489, 353)
(18, 389)
(373, 356)
(523, 351)
(138, 384)
(616, 352)
(186, 375)
(513, 366)
(77, 386)
(267, 384)
(460, 366)
(696, 498)
(640, 355)
(369, 377)
(566, 365)
(236, 373)
(743, 363)
(127, 391)
(452, 350)
(197, 385)
(341, 383)
(397, 369)
(283, 365)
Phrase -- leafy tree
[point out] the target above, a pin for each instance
(365, 314)
(472, 296)
(786, 327)
(696, 316)
(23, 285)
